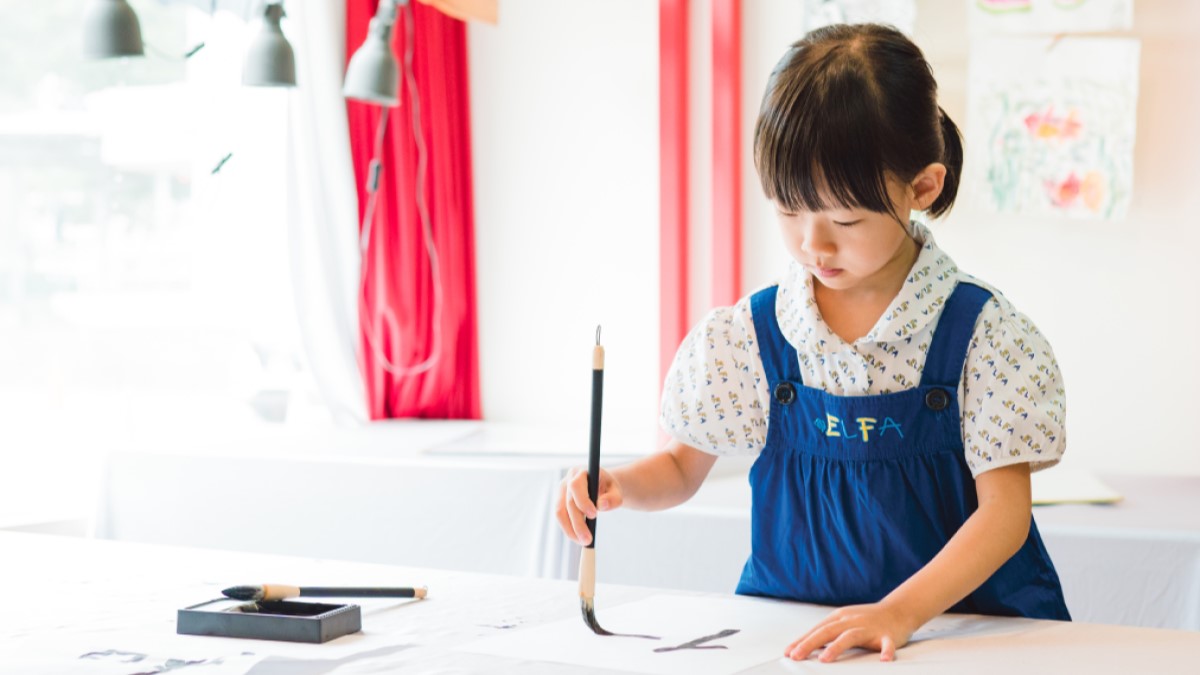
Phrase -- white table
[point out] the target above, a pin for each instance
(1133, 563)
(79, 596)
(479, 497)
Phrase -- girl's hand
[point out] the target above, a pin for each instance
(877, 627)
(574, 505)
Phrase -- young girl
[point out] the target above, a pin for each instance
(896, 405)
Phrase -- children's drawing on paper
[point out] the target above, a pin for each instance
(1051, 126)
(1048, 16)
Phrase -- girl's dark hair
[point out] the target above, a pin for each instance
(846, 106)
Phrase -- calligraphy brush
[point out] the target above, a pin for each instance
(587, 558)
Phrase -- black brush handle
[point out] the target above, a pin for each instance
(594, 449)
(341, 592)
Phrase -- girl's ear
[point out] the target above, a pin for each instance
(927, 185)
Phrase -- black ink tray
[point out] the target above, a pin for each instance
(270, 620)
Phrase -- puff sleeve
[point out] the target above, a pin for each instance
(1013, 400)
(714, 395)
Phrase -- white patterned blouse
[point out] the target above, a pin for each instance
(716, 399)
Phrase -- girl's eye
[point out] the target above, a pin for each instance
(846, 223)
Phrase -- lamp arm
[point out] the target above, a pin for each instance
(385, 18)
(387, 9)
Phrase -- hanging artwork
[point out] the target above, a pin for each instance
(1049, 16)
(1051, 125)
(899, 13)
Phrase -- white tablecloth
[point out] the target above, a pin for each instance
(1134, 563)
(372, 495)
(117, 600)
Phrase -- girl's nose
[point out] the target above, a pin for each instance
(817, 240)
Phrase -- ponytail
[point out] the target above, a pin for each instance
(952, 157)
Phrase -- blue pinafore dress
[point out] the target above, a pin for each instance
(852, 495)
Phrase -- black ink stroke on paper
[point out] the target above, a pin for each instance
(698, 643)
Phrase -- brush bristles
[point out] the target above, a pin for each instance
(251, 593)
(589, 616)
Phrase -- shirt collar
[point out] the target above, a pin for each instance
(928, 285)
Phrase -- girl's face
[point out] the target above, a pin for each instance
(849, 248)
(846, 248)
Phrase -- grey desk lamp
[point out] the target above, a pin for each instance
(373, 75)
(270, 61)
(111, 29)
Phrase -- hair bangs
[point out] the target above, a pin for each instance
(816, 146)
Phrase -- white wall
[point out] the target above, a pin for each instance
(565, 124)
(564, 117)
(1114, 298)
(768, 28)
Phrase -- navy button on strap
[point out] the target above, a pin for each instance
(937, 399)
(785, 393)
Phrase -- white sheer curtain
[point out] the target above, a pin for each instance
(322, 209)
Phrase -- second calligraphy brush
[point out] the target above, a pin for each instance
(280, 592)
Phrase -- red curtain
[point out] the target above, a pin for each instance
(396, 304)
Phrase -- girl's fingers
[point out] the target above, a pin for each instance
(851, 638)
(611, 500)
(829, 618)
(814, 640)
(578, 524)
(796, 643)
(887, 650)
(578, 489)
(576, 505)
(610, 493)
(560, 512)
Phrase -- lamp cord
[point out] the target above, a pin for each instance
(374, 172)
(212, 9)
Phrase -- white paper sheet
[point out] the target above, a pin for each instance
(121, 662)
(765, 628)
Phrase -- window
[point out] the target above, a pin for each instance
(144, 282)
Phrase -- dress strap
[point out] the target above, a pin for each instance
(779, 358)
(952, 337)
